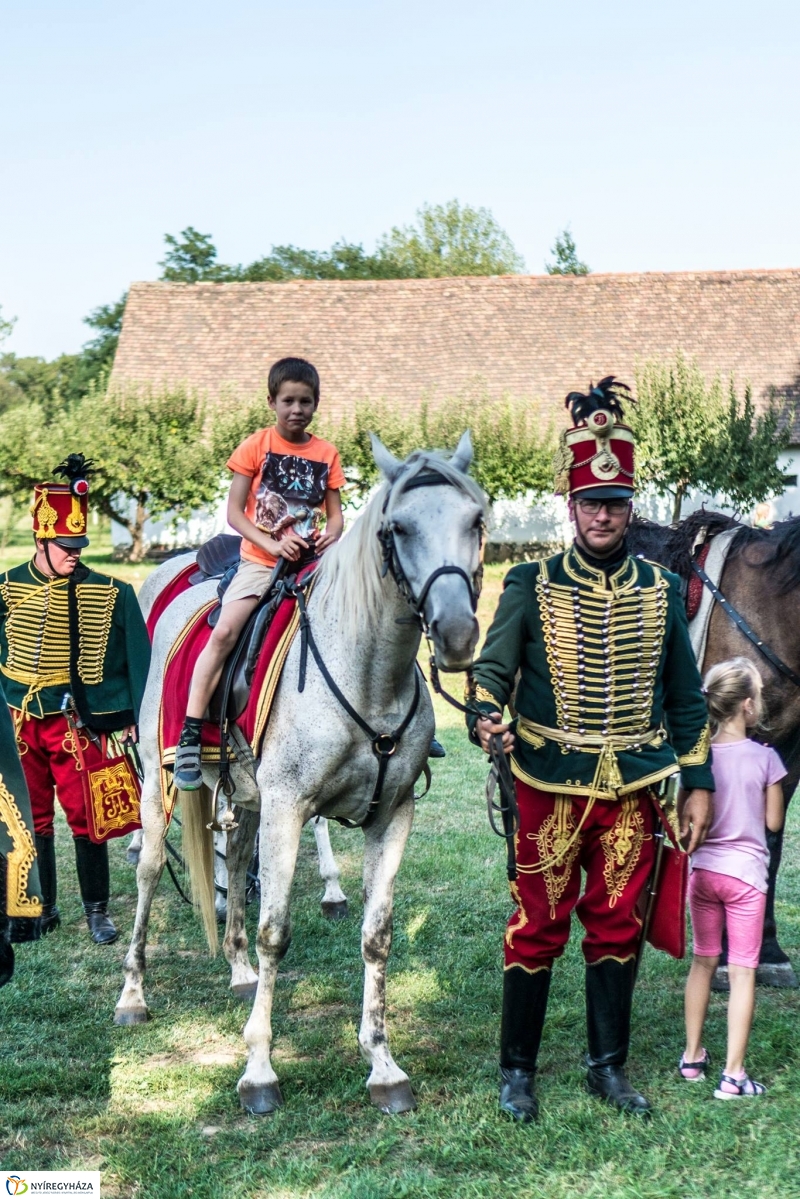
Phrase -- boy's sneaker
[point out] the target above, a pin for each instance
(694, 1071)
(739, 1088)
(188, 775)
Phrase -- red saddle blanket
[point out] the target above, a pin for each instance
(694, 593)
(178, 675)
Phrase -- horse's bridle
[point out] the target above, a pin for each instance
(393, 565)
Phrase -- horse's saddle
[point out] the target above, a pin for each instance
(219, 559)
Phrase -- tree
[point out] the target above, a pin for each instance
(191, 257)
(690, 436)
(48, 385)
(513, 454)
(149, 449)
(6, 326)
(566, 261)
(449, 239)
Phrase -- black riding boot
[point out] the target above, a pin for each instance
(524, 1007)
(46, 861)
(609, 994)
(6, 952)
(92, 863)
(6, 948)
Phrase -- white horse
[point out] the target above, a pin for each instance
(153, 833)
(424, 525)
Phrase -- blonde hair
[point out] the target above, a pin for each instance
(727, 685)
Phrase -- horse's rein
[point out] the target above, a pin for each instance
(744, 627)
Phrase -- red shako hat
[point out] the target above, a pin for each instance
(60, 510)
(595, 459)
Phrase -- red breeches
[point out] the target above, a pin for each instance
(48, 759)
(614, 846)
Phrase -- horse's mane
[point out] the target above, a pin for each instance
(777, 549)
(349, 583)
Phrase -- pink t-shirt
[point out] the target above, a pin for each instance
(737, 841)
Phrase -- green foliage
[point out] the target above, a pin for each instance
(512, 454)
(450, 239)
(51, 385)
(447, 239)
(6, 326)
(689, 436)
(47, 385)
(565, 257)
(343, 261)
(149, 451)
(191, 257)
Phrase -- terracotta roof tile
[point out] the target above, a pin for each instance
(400, 340)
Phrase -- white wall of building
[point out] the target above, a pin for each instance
(520, 522)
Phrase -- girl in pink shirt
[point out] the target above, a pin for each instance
(728, 884)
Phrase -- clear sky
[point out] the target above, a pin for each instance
(665, 133)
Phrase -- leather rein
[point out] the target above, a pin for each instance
(384, 744)
(745, 629)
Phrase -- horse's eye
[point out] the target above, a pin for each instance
(399, 529)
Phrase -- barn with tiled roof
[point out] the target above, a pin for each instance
(532, 337)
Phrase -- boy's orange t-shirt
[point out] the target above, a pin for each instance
(288, 486)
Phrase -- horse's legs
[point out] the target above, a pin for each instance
(131, 1007)
(389, 1088)
(134, 848)
(239, 851)
(334, 901)
(280, 838)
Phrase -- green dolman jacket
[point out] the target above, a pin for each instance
(609, 695)
(22, 895)
(84, 635)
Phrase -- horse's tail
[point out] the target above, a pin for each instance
(198, 851)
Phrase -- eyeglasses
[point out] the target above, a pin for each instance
(612, 507)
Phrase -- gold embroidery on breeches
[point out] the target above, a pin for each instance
(522, 916)
(622, 848)
(558, 847)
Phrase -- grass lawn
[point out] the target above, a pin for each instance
(155, 1107)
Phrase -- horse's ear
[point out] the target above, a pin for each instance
(387, 464)
(462, 455)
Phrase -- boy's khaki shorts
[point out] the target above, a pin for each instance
(251, 580)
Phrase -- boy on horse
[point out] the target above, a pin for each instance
(74, 655)
(286, 483)
(608, 704)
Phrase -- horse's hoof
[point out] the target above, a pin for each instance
(393, 1098)
(778, 974)
(720, 981)
(131, 1015)
(260, 1101)
(335, 911)
(244, 991)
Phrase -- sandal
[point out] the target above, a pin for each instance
(694, 1071)
(739, 1088)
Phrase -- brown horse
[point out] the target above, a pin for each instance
(761, 580)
